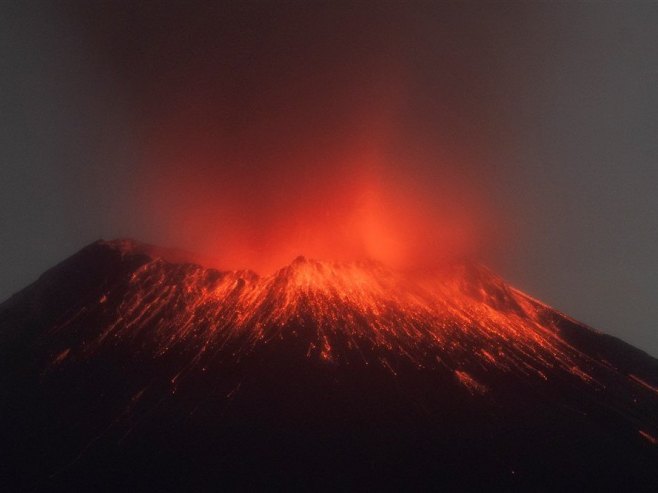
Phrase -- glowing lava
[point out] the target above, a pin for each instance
(463, 319)
(136, 351)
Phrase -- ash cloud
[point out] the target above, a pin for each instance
(267, 131)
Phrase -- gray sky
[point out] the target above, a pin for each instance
(556, 103)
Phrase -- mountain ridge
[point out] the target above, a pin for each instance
(117, 341)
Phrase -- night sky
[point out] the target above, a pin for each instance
(250, 132)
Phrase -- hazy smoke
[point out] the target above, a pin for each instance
(269, 132)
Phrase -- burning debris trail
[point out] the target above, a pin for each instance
(344, 368)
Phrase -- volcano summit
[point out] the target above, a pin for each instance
(128, 368)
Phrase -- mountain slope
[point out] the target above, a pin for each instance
(123, 367)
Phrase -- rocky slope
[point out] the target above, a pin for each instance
(126, 367)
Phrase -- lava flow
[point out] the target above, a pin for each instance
(128, 354)
(463, 319)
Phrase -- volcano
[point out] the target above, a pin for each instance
(128, 367)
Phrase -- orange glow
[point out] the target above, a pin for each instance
(463, 318)
(347, 186)
(644, 384)
(356, 209)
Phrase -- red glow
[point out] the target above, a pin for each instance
(461, 319)
(336, 176)
(350, 208)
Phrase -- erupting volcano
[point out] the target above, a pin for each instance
(129, 367)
